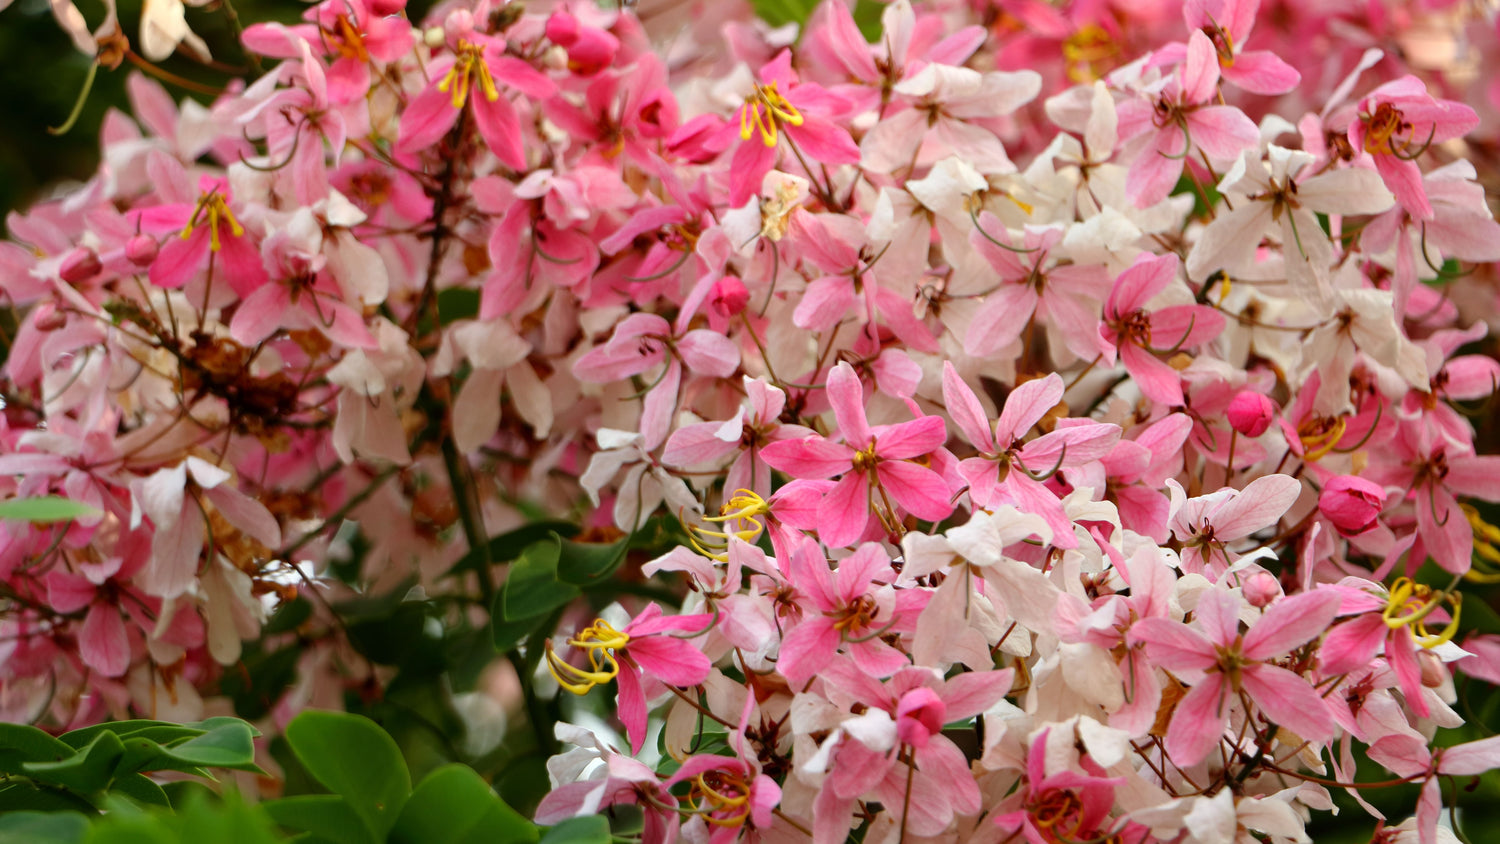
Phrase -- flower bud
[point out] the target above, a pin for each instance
(1261, 588)
(562, 29)
(1433, 672)
(79, 265)
(1251, 413)
(1352, 504)
(728, 296)
(593, 51)
(141, 250)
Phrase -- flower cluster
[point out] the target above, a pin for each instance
(1060, 401)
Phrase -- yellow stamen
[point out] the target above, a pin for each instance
(1486, 564)
(469, 63)
(722, 802)
(777, 110)
(1410, 603)
(599, 638)
(212, 206)
(742, 509)
(1317, 443)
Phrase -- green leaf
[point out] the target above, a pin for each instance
(288, 617)
(782, 12)
(43, 828)
(229, 745)
(353, 757)
(48, 508)
(867, 17)
(23, 743)
(327, 816)
(593, 829)
(141, 789)
(231, 822)
(161, 732)
(509, 634)
(87, 772)
(454, 805)
(456, 303)
(532, 588)
(508, 546)
(586, 563)
(21, 795)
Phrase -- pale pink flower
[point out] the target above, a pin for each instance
(1009, 470)
(1395, 124)
(1221, 663)
(1165, 128)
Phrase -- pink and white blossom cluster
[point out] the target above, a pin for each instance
(1061, 399)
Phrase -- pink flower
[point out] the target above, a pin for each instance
(756, 425)
(1034, 287)
(1351, 503)
(1169, 127)
(779, 106)
(1138, 335)
(1395, 124)
(645, 341)
(1223, 663)
(1228, 24)
(210, 234)
(874, 463)
(648, 652)
(850, 608)
(474, 71)
(1208, 524)
(1395, 621)
(1079, 803)
(1010, 471)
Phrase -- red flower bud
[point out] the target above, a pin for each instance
(728, 296)
(80, 265)
(1251, 413)
(1352, 504)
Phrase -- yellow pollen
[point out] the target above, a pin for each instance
(213, 206)
(1410, 603)
(469, 63)
(777, 110)
(599, 638)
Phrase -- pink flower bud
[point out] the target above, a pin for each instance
(80, 265)
(1261, 588)
(141, 250)
(593, 51)
(562, 29)
(1352, 504)
(728, 296)
(1251, 413)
